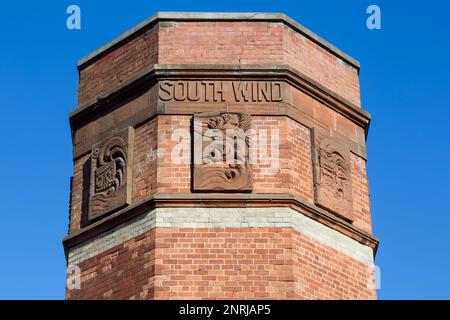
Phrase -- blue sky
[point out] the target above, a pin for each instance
(404, 84)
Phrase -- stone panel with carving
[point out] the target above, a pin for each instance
(221, 152)
(111, 166)
(332, 175)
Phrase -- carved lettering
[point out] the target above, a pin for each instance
(218, 91)
(240, 90)
(165, 90)
(221, 91)
(263, 91)
(180, 91)
(208, 90)
(277, 91)
(193, 93)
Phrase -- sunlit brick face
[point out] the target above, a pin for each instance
(288, 218)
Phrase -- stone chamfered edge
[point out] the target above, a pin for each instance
(223, 200)
(221, 16)
(157, 72)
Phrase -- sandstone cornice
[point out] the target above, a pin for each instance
(147, 77)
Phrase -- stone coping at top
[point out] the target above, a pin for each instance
(223, 16)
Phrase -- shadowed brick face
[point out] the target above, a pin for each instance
(117, 66)
(273, 240)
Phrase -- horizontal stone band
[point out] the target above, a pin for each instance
(221, 218)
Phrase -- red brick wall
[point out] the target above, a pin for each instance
(122, 272)
(217, 43)
(361, 194)
(321, 272)
(321, 65)
(154, 169)
(145, 160)
(221, 43)
(173, 176)
(117, 66)
(256, 43)
(80, 192)
(248, 263)
(294, 175)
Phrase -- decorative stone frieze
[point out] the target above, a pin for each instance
(221, 152)
(332, 175)
(111, 171)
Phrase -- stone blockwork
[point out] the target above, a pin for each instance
(223, 253)
(291, 222)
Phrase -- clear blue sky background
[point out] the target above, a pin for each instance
(404, 84)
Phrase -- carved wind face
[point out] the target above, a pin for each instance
(333, 174)
(225, 121)
(109, 189)
(224, 165)
(231, 121)
(110, 171)
(105, 177)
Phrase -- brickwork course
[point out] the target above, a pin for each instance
(289, 236)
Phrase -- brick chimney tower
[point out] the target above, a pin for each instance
(219, 156)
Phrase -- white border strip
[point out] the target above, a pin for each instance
(221, 218)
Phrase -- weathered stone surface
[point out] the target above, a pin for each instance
(221, 152)
(269, 217)
(111, 173)
(332, 175)
(221, 91)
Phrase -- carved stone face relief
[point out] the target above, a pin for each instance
(110, 186)
(332, 175)
(221, 152)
